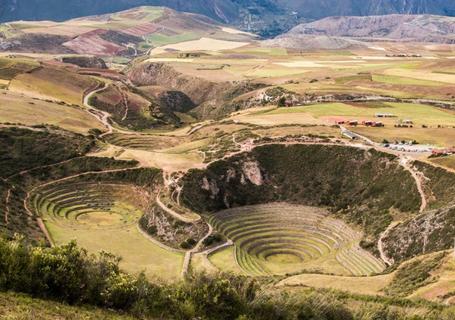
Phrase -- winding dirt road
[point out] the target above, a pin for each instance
(418, 177)
(388, 261)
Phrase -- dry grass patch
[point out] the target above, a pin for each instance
(16, 108)
(165, 161)
(448, 162)
(53, 84)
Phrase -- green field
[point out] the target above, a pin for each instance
(158, 40)
(420, 114)
(225, 260)
(404, 81)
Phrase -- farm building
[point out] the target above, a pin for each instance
(410, 148)
(443, 152)
(376, 124)
(385, 115)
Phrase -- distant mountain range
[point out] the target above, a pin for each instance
(421, 28)
(354, 32)
(268, 17)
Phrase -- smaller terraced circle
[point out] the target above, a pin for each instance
(280, 238)
(86, 205)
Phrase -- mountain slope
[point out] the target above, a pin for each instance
(316, 9)
(264, 16)
(57, 10)
(125, 33)
(422, 28)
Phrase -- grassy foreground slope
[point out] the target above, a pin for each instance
(15, 306)
(68, 274)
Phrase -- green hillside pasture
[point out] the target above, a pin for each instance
(426, 75)
(158, 40)
(16, 108)
(105, 217)
(390, 79)
(280, 238)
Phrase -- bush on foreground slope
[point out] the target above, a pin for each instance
(68, 274)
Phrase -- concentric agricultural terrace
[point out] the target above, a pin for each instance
(280, 238)
(87, 205)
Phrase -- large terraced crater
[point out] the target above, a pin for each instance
(302, 208)
(280, 238)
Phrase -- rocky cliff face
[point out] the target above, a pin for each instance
(159, 74)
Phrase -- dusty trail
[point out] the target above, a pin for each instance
(367, 140)
(175, 214)
(188, 255)
(437, 165)
(102, 116)
(168, 181)
(219, 247)
(125, 102)
(388, 261)
(8, 196)
(419, 179)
